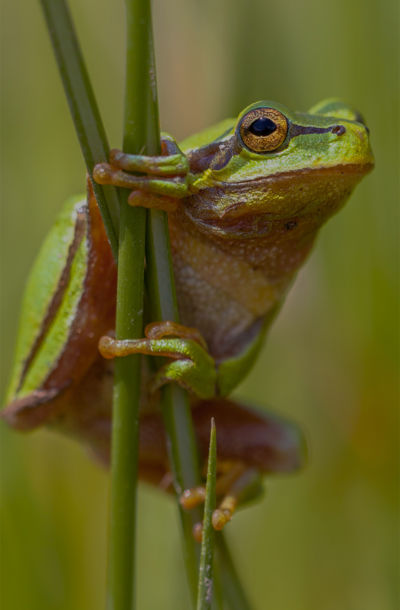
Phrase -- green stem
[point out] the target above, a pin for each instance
(125, 422)
(206, 584)
(141, 133)
(83, 107)
(181, 441)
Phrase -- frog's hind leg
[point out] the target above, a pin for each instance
(34, 409)
(256, 437)
(250, 444)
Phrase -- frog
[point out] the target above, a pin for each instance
(245, 201)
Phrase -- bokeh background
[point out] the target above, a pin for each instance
(326, 538)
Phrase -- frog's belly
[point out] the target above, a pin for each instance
(220, 295)
(206, 307)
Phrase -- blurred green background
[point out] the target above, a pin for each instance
(325, 539)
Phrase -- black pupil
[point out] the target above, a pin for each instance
(262, 127)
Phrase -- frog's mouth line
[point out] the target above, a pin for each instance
(355, 169)
(205, 207)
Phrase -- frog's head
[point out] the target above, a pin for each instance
(273, 167)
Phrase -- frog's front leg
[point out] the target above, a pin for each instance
(163, 178)
(192, 367)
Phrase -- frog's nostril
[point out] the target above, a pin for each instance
(339, 130)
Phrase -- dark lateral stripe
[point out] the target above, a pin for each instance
(79, 233)
(299, 130)
(215, 155)
(199, 159)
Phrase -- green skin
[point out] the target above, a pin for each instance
(217, 191)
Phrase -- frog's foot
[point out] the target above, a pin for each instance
(251, 444)
(238, 484)
(192, 367)
(164, 178)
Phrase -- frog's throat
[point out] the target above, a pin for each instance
(280, 197)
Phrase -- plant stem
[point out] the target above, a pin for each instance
(206, 585)
(139, 120)
(181, 441)
(83, 107)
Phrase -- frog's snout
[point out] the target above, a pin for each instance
(340, 130)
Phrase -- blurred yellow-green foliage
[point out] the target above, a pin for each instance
(322, 540)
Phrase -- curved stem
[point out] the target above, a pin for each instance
(83, 107)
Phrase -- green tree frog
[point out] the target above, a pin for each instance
(245, 200)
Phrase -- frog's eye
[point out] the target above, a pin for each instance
(263, 129)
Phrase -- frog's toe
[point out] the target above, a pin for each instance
(167, 328)
(236, 486)
(170, 163)
(168, 185)
(192, 367)
(188, 375)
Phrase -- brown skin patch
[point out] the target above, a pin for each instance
(253, 224)
(254, 439)
(244, 436)
(215, 155)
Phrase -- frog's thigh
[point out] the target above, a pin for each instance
(32, 410)
(256, 438)
(250, 444)
(247, 440)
